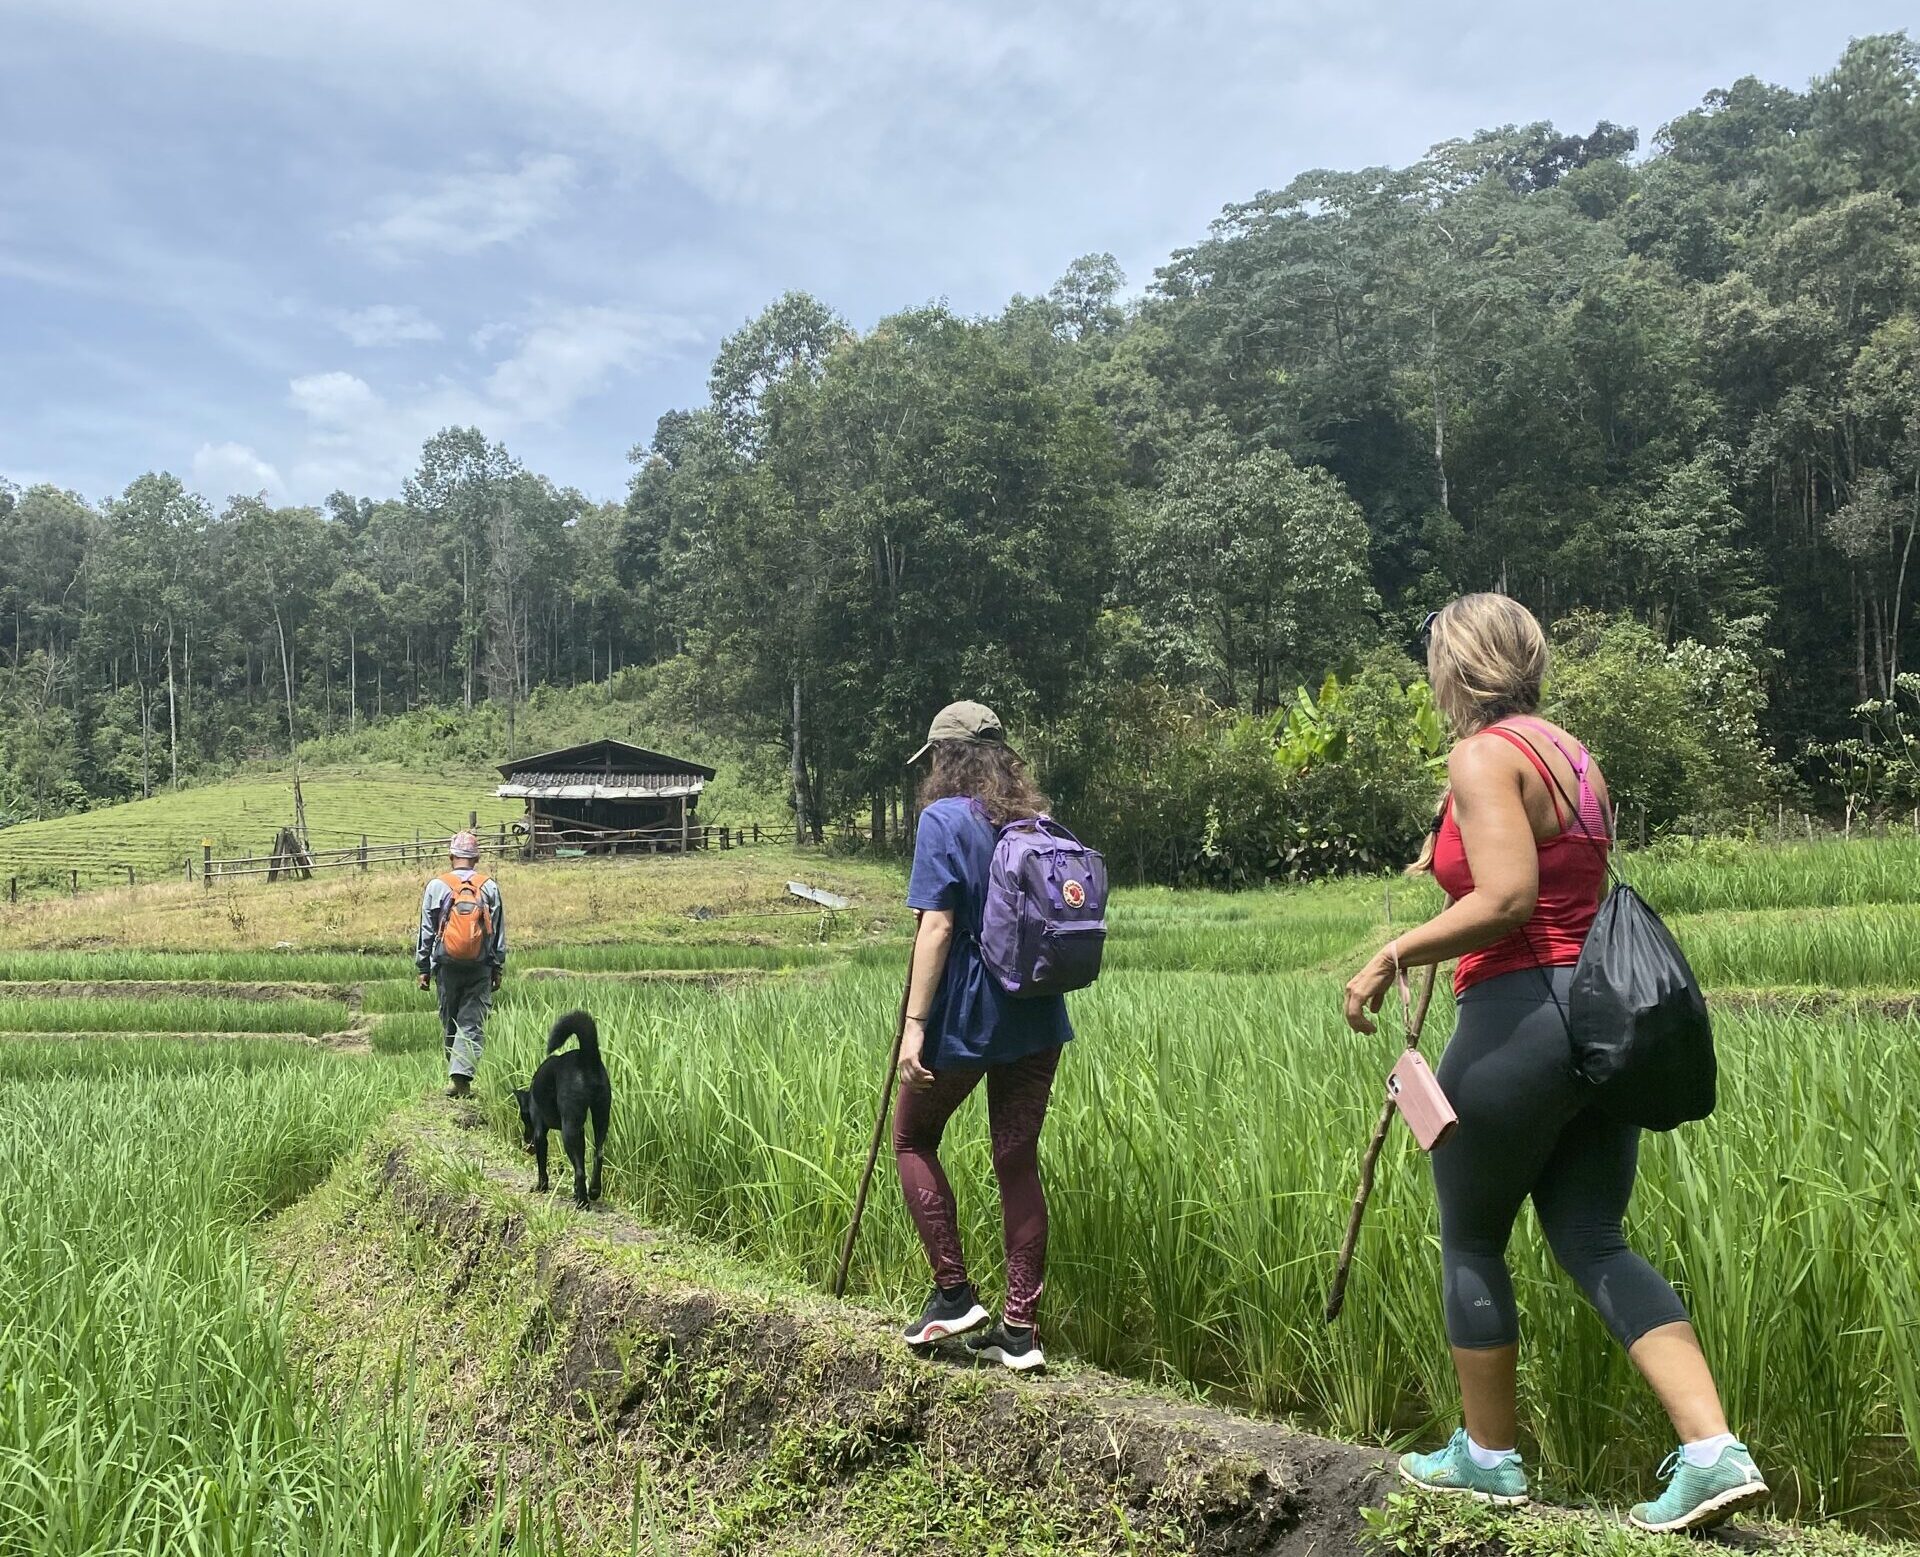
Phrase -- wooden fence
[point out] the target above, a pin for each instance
(544, 842)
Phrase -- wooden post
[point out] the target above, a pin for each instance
(363, 851)
(503, 837)
(13, 889)
(723, 840)
(129, 875)
(206, 863)
(473, 821)
(416, 843)
(73, 883)
(756, 832)
(685, 825)
(188, 862)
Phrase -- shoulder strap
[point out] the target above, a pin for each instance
(1552, 779)
(1514, 737)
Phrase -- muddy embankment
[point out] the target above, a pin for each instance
(645, 1382)
(662, 1397)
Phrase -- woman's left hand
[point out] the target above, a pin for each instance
(1366, 990)
(914, 1074)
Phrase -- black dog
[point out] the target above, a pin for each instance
(566, 1089)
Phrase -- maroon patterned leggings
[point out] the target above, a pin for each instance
(1017, 1095)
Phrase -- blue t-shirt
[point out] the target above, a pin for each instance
(972, 1021)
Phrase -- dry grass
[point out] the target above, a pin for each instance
(739, 896)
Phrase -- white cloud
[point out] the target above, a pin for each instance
(385, 324)
(334, 400)
(570, 354)
(360, 438)
(469, 211)
(223, 470)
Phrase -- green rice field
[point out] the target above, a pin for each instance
(1200, 1159)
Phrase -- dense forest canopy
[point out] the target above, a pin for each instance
(1669, 396)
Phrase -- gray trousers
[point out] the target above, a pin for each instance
(466, 994)
(1529, 1127)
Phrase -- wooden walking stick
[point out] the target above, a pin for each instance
(879, 1122)
(1337, 1293)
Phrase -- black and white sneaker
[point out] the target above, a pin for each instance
(950, 1311)
(1018, 1346)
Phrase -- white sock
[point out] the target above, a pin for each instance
(1487, 1459)
(1702, 1452)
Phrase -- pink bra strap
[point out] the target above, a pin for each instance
(1587, 802)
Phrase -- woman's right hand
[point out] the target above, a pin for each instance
(913, 1073)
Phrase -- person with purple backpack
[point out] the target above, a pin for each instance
(1011, 915)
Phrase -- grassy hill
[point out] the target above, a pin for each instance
(241, 816)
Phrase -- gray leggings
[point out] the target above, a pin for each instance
(1528, 1127)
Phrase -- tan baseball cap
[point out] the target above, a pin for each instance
(974, 723)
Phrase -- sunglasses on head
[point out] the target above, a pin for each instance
(1425, 634)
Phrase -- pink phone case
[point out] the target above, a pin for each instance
(1422, 1104)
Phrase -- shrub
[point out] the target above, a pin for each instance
(1177, 790)
(1675, 728)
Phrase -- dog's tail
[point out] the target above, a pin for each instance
(576, 1024)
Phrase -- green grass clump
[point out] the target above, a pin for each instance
(1200, 1157)
(235, 967)
(1874, 946)
(151, 1405)
(414, 1032)
(170, 1014)
(1705, 876)
(304, 967)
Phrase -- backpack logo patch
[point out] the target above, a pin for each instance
(1074, 895)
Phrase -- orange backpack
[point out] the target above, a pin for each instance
(467, 925)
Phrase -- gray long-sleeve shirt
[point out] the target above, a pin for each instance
(433, 910)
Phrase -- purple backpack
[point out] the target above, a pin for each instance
(1044, 923)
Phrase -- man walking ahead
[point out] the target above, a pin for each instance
(462, 947)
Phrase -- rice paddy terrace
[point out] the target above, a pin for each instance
(263, 1290)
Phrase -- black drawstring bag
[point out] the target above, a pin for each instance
(1637, 1019)
(1635, 1016)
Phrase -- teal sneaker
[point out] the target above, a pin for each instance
(1452, 1470)
(1698, 1496)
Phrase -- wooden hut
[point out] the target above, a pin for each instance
(606, 797)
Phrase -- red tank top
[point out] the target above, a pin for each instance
(1573, 869)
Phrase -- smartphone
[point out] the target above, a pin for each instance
(1413, 1087)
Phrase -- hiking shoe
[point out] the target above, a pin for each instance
(1452, 1470)
(1018, 1346)
(1701, 1495)
(460, 1086)
(950, 1311)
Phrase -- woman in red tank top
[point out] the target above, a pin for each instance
(1520, 848)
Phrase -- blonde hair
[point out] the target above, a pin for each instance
(1486, 661)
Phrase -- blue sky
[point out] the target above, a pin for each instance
(272, 247)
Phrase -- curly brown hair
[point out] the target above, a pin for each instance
(985, 771)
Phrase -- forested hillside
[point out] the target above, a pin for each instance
(1667, 393)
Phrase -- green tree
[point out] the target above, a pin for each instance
(1250, 572)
